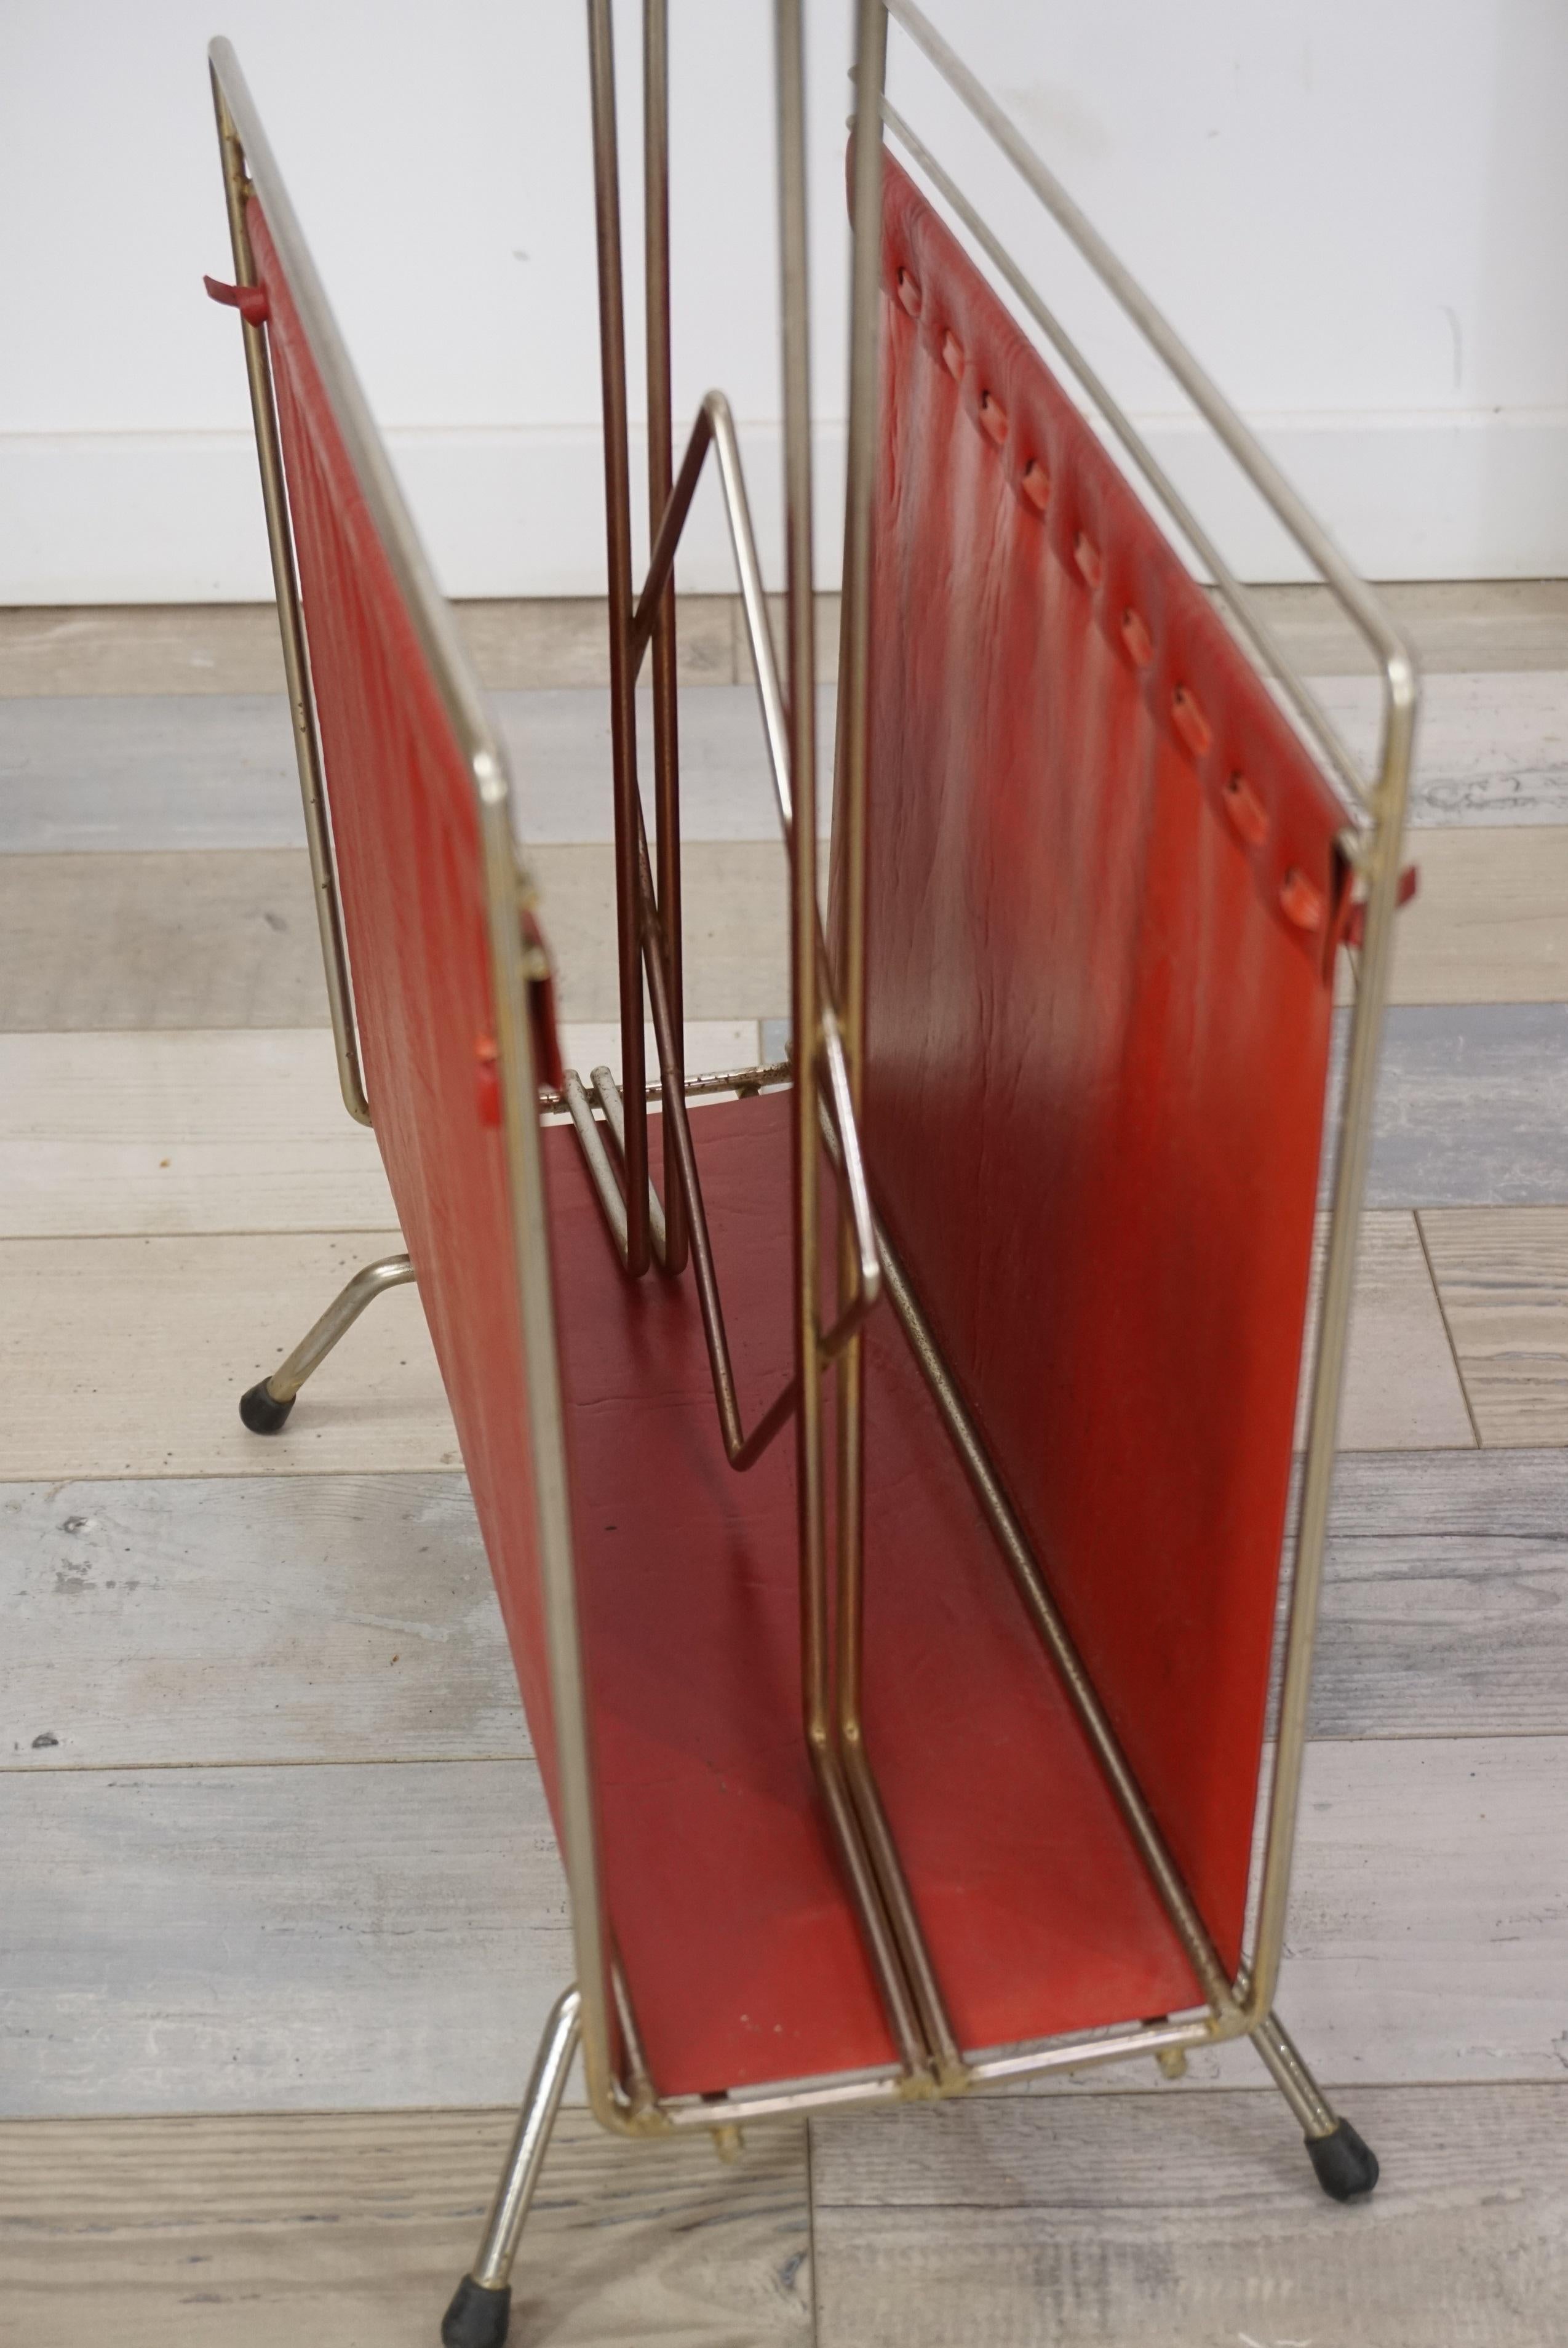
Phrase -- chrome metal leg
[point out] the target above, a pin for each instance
(482, 2303)
(267, 1405)
(1344, 2165)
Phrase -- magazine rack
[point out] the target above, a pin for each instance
(886, 1507)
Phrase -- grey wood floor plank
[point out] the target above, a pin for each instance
(225, 648)
(1472, 1106)
(219, 1129)
(128, 1357)
(1492, 747)
(200, 1622)
(1486, 923)
(222, 938)
(1456, 624)
(224, 1129)
(142, 771)
(138, 772)
(125, 1356)
(354, 2228)
(392, 1935)
(1112, 2224)
(1401, 1389)
(1466, 624)
(1445, 1605)
(234, 1939)
(215, 938)
(1502, 1275)
(167, 1621)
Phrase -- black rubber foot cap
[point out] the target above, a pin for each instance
(477, 2318)
(1345, 2167)
(261, 1411)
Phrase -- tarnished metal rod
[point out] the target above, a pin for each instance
(492, 2268)
(623, 674)
(1292, 2077)
(1043, 1612)
(806, 945)
(606, 1093)
(291, 629)
(1330, 1347)
(745, 1081)
(265, 1405)
(670, 1250)
(715, 429)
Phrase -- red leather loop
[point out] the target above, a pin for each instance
(993, 417)
(249, 300)
(1086, 554)
(1036, 484)
(1136, 637)
(909, 294)
(1246, 810)
(1190, 722)
(1299, 901)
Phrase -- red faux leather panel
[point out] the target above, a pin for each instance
(1103, 894)
(406, 835)
(743, 1958)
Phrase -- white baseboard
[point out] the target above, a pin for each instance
(147, 518)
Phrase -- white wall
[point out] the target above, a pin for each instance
(1354, 210)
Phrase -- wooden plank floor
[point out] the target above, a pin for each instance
(160, 1621)
(354, 2228)
(283, 1910)
(1122, 2225)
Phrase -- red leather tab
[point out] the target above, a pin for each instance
(1299, 901)
(1355, 920)
(486, 1082)
(1246, 811)
(250, 301)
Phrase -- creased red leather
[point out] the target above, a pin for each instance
(1102, 893)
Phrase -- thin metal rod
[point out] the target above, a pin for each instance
(1330, 1347)
(577, 1803)
(492, 2270)
(601, 1173)
(848, 865)
(795, 301)
(1291, 2076)
(804, 950)
(715, 428)
(622, 693)
(741, 1450)
(746, 1081)
(1082, 2052)
(390, 1272)
(1043, 1612)
(1242, 604)
(671, 1254)
(606, 1093)
(291, 629)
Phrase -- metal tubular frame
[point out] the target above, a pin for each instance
(492, 2270)
(291, 627)
(283, 1383)
(508, 890)
(1383, 802)
(827, 1005)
